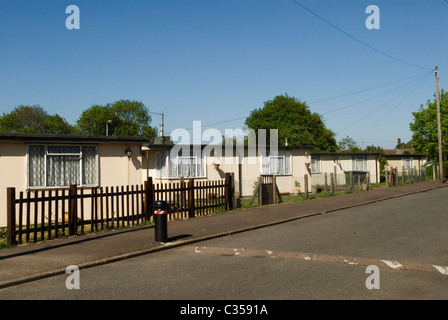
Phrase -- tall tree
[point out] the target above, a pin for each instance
(33, 120)
(294, 121)
(122, 118)
(424, 128)
(94, 120)
(348, 144)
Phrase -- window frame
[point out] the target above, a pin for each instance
(319, 160)
(164, 172)
(408, 160)
(355, 160)
(47, 154)
(266, 159)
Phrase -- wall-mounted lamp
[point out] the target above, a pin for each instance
(128, 152)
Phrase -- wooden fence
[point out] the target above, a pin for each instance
(37, 215)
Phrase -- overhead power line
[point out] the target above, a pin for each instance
(424, 75)
(396, 106)
(412, 88)
(372, 88)
(359, 41)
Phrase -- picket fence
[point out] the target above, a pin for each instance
(38, 215)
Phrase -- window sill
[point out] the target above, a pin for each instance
(175, 178)
(60, 188)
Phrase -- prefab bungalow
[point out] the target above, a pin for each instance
(341, 164)
(40, 162)
(404, 162)
(166, 162)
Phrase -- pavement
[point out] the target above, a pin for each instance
(32, 262)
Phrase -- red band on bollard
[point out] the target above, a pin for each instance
(160, 212)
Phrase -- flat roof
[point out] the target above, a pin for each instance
(405, 155)
(347, 153)
(68, 138)
(171, 144)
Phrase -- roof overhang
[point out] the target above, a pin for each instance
(47, 138)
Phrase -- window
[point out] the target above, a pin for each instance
(315, 164)
(407, 163)
(359, 163)
(189, 165)
(276, 164)
(61, 166)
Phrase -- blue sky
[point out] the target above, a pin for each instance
(215, 61)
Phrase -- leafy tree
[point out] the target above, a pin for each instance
(382, 159)
(33, 120)
(123, 118)
(294, 122)
(425, 132)
(93, 121)
(348, 144)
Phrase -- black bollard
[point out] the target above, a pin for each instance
(160, 220)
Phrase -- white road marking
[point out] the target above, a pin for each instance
(441, 269)
(393, 264)
(355, 261)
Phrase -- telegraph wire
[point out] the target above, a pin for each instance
(377, 96)
(364, 90)
(417, 84)
(379, 121)
(359, 41)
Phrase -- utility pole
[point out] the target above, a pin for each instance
(439, 127)
(161, 131)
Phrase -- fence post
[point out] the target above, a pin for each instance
(72, 213)
(228, 191)
(368, 181)
(232, 191)
(351, 181)
(191, 198)
(11, 218)
(335, 176)
(332, 183)
(306, 186)
(149, 198)
(386, 175)
(392, 182)
(260, 190)
(325, 183)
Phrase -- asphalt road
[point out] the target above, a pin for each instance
(390, 250)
